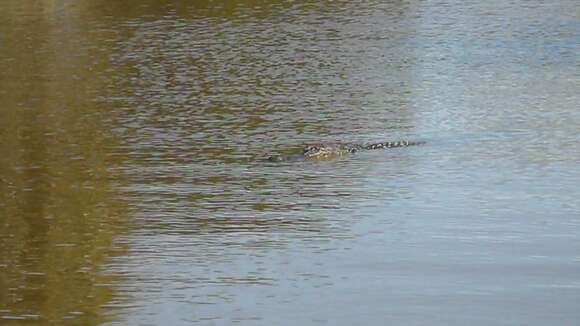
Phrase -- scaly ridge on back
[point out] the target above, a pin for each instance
(393, 144)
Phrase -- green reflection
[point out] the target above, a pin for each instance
(188, 9)
(58, 212)
(58, 209)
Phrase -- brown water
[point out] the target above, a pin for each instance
(132, 190)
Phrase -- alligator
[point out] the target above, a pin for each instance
(332, 150)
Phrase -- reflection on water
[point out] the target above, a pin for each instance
(134, 190)
(58, 213)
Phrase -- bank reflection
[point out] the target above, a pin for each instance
(159, 112)
(59, 210)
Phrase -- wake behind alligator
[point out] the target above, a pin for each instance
(332, 150)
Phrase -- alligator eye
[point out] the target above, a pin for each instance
(308, 149)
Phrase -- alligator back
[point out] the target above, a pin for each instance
(329, 151)
(393, 144)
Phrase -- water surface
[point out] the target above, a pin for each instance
(133, 188)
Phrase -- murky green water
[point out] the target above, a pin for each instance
(132, 190)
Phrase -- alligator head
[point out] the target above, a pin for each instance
(318, 152)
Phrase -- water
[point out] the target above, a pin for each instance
(133, 190)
